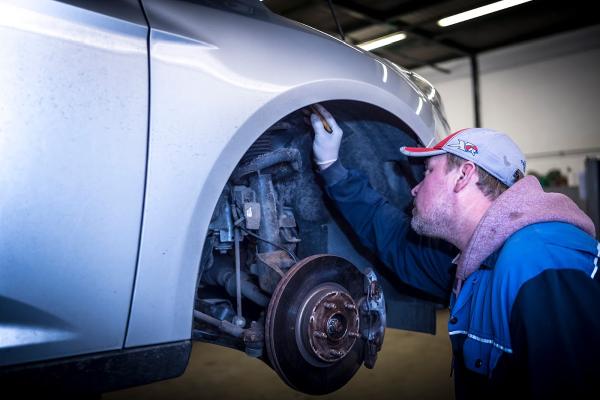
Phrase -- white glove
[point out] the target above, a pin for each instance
(326, 146)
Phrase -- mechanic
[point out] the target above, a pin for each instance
(524, 290)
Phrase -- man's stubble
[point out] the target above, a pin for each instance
(437, 222)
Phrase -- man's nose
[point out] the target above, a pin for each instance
(415, 190)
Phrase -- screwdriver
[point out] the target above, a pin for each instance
(322, 118)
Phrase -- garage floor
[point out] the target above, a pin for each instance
(410, 366)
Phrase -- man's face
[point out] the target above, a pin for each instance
(433, 201)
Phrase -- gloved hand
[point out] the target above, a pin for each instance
(326, 146)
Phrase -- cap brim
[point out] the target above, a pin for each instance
(421, 151)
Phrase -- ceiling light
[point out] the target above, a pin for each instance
(382, 41)
(478, 12)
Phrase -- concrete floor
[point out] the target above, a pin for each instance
(410, 366)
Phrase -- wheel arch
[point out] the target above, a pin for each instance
(281, 106)
(173, 268)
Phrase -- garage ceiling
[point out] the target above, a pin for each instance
(426, 42)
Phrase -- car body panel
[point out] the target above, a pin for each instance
(73, 135)
(116, 143)
(214, 91)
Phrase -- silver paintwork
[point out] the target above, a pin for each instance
(73, 152)
(73, 132)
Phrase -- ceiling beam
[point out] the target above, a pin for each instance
(300, 7)
(359, 11)
(403, 9)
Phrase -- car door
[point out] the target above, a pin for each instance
(73, 137)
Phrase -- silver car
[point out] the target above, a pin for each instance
(157, 188)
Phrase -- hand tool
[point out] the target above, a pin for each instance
(322, 118)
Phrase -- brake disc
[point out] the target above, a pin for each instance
(324, 320)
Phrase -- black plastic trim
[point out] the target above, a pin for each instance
(99, 372)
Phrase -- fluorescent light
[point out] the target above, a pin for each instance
(382, 41)
(478, 12)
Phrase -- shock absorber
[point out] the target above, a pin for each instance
(272, 255)
(262, 184)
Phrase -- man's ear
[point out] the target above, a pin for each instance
(467, 173)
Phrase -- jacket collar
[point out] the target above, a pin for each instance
(523, 204)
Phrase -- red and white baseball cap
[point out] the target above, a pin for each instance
(493, 151)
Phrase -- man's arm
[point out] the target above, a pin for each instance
(420, 262)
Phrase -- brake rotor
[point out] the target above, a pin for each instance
(313, 328)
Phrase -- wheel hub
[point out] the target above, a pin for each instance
(329, 322)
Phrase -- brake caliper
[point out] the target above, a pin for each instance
(372, 316)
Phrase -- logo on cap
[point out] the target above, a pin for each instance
(466, 147)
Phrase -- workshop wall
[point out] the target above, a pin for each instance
(544, 93)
